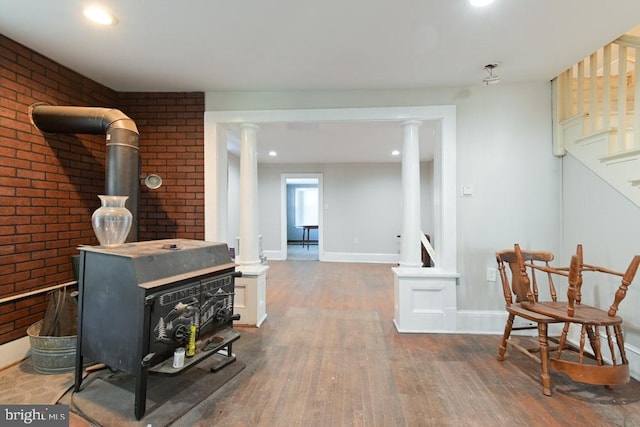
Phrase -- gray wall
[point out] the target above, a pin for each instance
(360, 203)
(294, 233)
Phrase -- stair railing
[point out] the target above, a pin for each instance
(603, 92)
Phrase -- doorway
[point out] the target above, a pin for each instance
(302, 216)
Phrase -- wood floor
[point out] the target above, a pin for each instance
(328, 355)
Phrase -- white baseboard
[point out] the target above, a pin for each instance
(481, 322)
(489, 322)
(633, 354)
(14, 351)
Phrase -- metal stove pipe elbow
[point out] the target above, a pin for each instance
(122, 165)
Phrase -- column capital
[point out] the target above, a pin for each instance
(249, 126)
(412, 122)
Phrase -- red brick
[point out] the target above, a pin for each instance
(57, 177)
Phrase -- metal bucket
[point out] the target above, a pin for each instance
(51, 355)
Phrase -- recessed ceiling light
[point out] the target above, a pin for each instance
(395, 153)
(480, 3)
(100, 16)
(273, 153)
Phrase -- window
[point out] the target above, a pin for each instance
(306, 206)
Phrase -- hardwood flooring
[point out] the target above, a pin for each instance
(298, 252)
(329, 355)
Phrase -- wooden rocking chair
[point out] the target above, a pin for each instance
(588, 365)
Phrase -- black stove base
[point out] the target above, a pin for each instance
(219, 345)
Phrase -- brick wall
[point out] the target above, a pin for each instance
(171, 127)
(49, 183)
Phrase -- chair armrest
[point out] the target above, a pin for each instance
(627, 278)
(575, 282)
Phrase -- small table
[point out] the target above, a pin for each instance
(306, 233)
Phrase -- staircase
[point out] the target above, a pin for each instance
(597, 114)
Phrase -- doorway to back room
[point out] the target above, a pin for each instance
(302, 218)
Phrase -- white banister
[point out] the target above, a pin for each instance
(622, 97)
(580, 97)
(606, 88)
(564, 97)
(636, 101)
(593, 62)
(596, 108)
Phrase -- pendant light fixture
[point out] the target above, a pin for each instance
(491, 79)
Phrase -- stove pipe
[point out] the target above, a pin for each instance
(122, 175)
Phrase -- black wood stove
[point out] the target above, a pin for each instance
(141, 301)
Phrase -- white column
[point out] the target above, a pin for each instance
(216, 183)
(410, 252)
(249, 249)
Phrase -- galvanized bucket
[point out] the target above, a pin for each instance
(51, 355)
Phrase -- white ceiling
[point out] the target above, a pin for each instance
(277, 45)
(337, 142)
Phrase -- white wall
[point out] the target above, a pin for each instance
(269, 202)
(361, 202)
(504, 154)
(233, 207)
(607, 224)
(364, 206)
(426, 199)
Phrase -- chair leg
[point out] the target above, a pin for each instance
(594, 340)
(612, 350)
(563, 339)
(544, 359)
(583, 333)
(507, 332)
(620, 341)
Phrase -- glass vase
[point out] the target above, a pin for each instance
(112, 221)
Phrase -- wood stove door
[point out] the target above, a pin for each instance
(173, 312)
(216, 304)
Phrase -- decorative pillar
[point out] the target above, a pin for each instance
(249, 248)
(410, 252)
(424, 298)
(250, 300)
(216, 183)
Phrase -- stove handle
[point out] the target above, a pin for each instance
(149, 299)
(236, 274)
